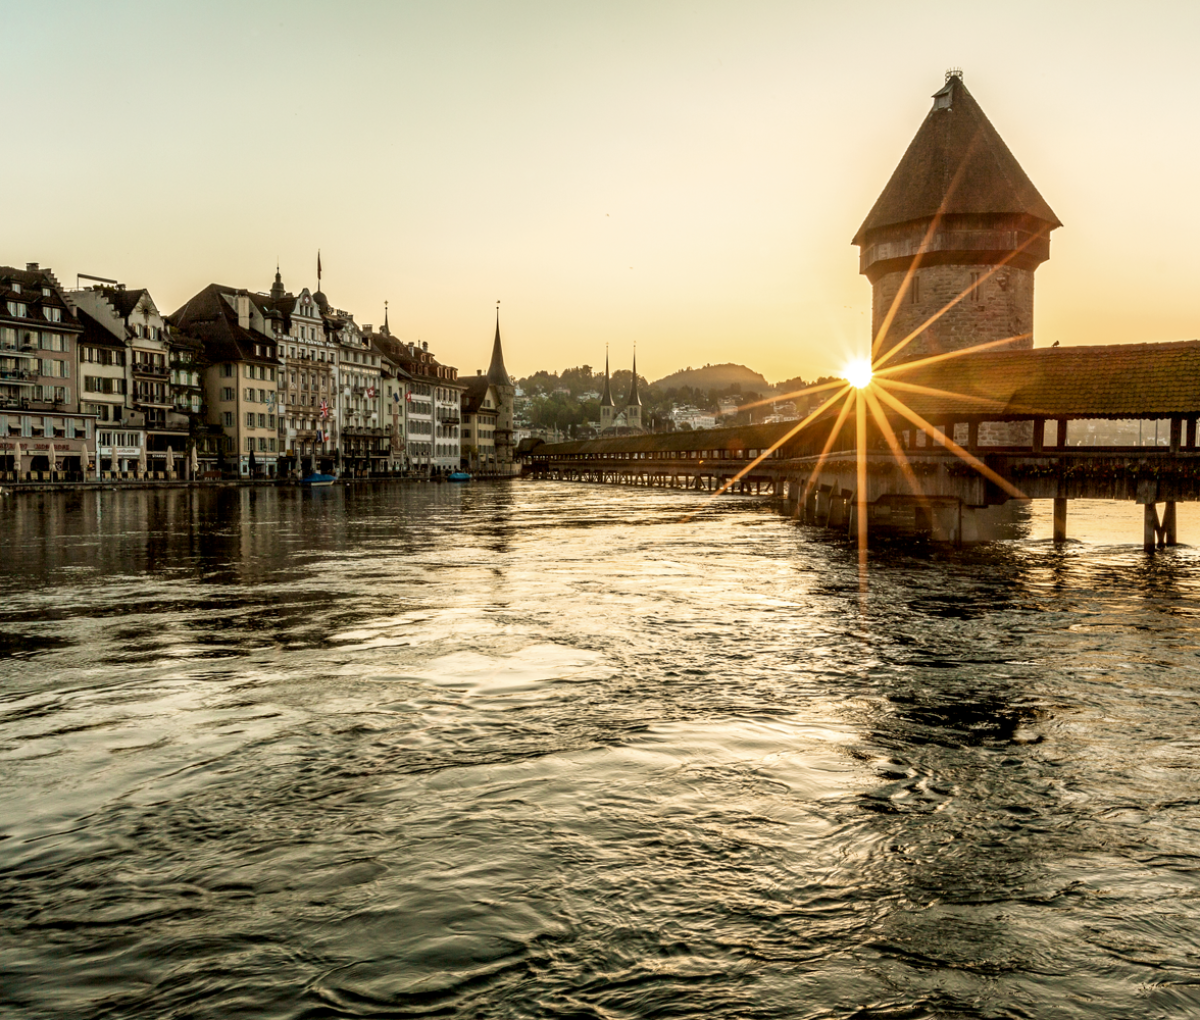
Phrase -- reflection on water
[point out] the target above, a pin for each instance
(548, 750)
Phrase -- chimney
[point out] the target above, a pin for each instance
(425, 346)
(479, 371)
(31, 267)
(243, 309)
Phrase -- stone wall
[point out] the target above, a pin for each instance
(1001, 306)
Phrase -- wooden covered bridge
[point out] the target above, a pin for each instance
(945, 439)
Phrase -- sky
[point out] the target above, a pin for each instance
(683, 177)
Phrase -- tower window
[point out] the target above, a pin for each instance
(914, 289)
(975, 286)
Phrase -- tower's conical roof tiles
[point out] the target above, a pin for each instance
(497, 374)
(957, 165)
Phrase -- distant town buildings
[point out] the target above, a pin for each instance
(97, 382)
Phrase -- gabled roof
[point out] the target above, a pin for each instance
(124, 301)
(474, 395)
(1109, 381)
(95, 334)
(210, 318)
(959, 165)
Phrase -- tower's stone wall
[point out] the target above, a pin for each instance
(1000, 307)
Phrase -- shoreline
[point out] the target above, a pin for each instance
(16, 488)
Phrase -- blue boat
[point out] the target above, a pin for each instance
(458, 476)
(318, 479)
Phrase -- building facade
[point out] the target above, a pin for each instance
(43, 433)
(240, 379)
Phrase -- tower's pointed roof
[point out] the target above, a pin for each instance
(606, 400)
(959, 165)
(633, 386)
(277, 290)
(497, 374)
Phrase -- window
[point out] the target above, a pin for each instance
(262, 421)
(226, 371)
(227, 419)
(249, 394)
(16, 308)
(914, 289)
(52, 314)
(262, 445)
(270, 421)
(249, 419)
(227, 393)
(975, 286)
(250, 443)
(271, 445)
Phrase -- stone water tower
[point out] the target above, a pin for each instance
(961, 202)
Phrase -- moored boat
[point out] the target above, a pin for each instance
(458, 476)
(318, 479)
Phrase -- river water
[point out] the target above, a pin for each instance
(553, 750)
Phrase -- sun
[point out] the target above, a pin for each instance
(858, 373)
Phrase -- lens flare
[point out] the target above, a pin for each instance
(858, 373)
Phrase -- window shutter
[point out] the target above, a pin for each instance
(26, 425)
(87, 428)
(67, 394)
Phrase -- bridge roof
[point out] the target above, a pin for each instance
(739, 437)
(1110, 381)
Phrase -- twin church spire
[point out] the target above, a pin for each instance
(631, 416)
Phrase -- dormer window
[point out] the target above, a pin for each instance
(52, 314)
(45, 292)
(16, 288)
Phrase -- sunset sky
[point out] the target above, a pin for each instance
(686, 176)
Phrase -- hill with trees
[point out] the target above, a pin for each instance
(727, 377)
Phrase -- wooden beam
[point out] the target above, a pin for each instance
(1060, 519)
(1149, 527)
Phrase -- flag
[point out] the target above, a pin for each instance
(318, 266)
(371, 392)
(396, 397)
(408, 396)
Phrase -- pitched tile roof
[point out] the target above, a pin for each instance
(959, 165)
(1110, 381)
(211, 319)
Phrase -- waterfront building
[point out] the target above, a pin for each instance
(957, 208)
(307, 421)
(162, 392)
(434, 414)
(240, 377)
(365, 442)
(396, 384)
(43, 432)
(480, 409)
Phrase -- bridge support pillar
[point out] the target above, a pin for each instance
(1060, 519)
(1150, 527)
(1167, 533)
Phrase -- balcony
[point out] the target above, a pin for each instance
(150, 371)
(448, 418)
(17, 375)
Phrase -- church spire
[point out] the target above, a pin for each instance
(606, 400)
(497, 374)
(386, 331)
(634, 400)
